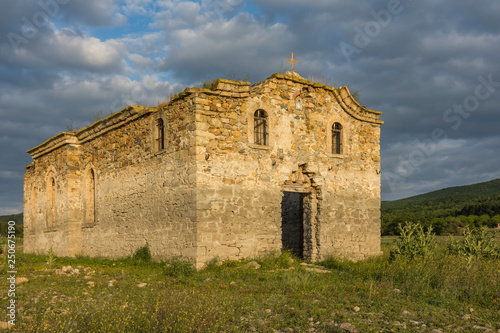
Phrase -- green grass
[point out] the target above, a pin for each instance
(424, 293)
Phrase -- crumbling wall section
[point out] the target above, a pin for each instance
(51, 198)
(142, 195)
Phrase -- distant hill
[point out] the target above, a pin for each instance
(466, 192)
(18, 218)
(473, 201)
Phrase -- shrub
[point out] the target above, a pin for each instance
(333, 262)
(50, 257)
(278, 260)
(413, 241)
(142, 254)
(179, 267)
(212, 264)
(476, 243)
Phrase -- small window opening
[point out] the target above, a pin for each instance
(31, 223)
(160, 134)
(336, 138)
(90, 197)
(260, 127)
(51, 216)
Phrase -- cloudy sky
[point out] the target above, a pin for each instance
(431, 67)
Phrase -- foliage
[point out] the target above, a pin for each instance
(355, 95)
(96, 117)
(212, 264)
(18, 218)
(174, 92)
(51, 259)
(71, 127)
(206, 83)
(283, 68)
(231, 75)
(235, 76)
(448, 211)
(476, 244)
(278, 260)
(142, 254)
(4, 229)
(179, 267)
(413, 241)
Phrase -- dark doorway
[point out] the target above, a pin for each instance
(292, 222)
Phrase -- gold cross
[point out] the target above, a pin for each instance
(292, 61)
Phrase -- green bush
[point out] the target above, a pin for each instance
(333, 262)
(477, 243)
(51, 259)
(142, 254)
(213, 264)
(413, 241)
(179, 267)
(4, 229)
(278, 260)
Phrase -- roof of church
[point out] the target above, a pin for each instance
(223, 87)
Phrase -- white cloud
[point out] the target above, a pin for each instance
(180, 15)
(73, 50)
(67, 49)
(137, 7)
(141, 61)
(9, 211)
(7, 174)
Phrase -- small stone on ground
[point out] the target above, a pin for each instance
(251, 264)
(348, 327)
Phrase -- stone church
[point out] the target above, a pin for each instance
(235, 171)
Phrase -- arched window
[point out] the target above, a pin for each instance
(336, 138)
(260, 127)
(90, 190)
(51, 203)
(160, 134)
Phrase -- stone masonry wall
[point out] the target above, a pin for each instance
(241, 184)
(211, 191)
(141, 195)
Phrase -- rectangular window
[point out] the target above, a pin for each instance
(160, 134)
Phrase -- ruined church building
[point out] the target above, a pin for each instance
(235, 171)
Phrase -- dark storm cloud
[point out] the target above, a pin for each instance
(240, 44)
(93, 13)
(423, 166)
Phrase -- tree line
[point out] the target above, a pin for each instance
(447, 216)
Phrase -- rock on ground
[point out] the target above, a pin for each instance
(251, 264)
(347, 327)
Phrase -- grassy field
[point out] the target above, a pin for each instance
(437, 293)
